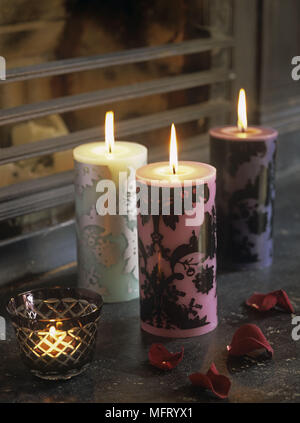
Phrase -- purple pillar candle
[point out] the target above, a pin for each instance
(245, 163)
(177, 251)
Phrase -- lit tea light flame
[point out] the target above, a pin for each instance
(242, 111)
(109, 132)
(173, 151)
(52, 331)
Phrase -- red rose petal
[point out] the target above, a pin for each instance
(265, 302)
(213, 381)
(160, 357)
(262, 302)
(248, 338)
(283, 301)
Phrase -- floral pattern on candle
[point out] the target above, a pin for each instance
(107, 245)
(245, 200)
(178, 271)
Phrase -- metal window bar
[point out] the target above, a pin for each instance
(124, 129)
(125, 57)
(112, 95)
(31, 196)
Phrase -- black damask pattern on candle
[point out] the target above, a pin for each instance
(245, 200)
(160, 304)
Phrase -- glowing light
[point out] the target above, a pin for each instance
(242, 111)
(52, 331)
(109, 132)
(173, 151)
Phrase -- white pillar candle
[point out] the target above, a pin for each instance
(107, 245)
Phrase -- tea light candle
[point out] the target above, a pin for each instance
(107, 244)
(245, 161)
(177, 255)
(53, 343)
(56, 330)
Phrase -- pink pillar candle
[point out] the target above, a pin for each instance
(177, 250)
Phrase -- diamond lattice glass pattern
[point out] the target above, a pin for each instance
(56, 329)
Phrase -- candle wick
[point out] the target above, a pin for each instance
(174, 170)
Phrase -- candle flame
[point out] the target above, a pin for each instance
(242, 111)
(109, 132)
(173, 151)
(52, 331)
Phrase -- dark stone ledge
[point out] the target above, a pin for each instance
(120, 371)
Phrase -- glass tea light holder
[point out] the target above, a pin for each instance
(56, 329)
